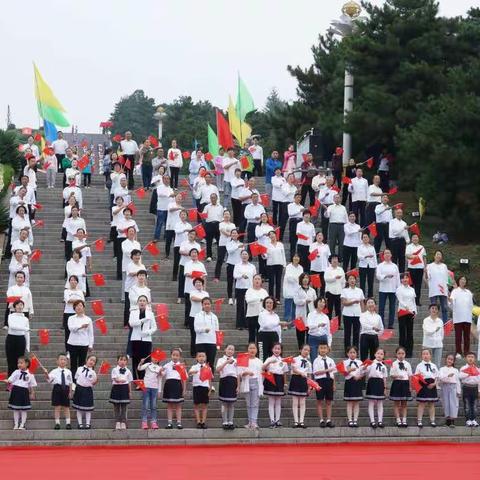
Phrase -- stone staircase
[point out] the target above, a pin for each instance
(47, 284)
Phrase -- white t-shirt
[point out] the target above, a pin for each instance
(352, 294)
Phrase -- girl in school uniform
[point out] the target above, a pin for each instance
(400, 372)
(152, 376)
(201, 390)
(228, 387)
(324, 370)
(428, 393)
(450, 390)
(22, 383)
(121, 390)
(275, 366)
(352, 392)
(174, 389)
(18, 336)
(252, 385)
(82, 401)
(303, 299)
(298, 388)
(376, 388)
(61, 378)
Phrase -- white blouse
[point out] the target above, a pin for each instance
(320, 263)
(462, 303)
(365, 251)
(19, 326)
(254, 298)
(241, 269)
(276, 254)
(142, 328)
(388, 285)
(437, 279)
(370, 321)
(78, 269)
(206, 321)
(80, 336)
(433, 333)
(406, 298)
(304, 300)
(290, 280)
(69, 295)
(334, 285)
(352, 294)
(319, 325)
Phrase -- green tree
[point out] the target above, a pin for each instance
(135, 113)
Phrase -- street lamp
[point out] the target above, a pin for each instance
(159, 115)
(344, 27)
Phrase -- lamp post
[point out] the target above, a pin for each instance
(159, 115)
(344, 27)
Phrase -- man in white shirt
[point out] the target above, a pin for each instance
(374, 197)
(164, 194)
(252, 214)
(325, 196)
(295, 213)
(383, 215)
(130, 151)
(59, 149)
(257, 154)
(33, 148)
(214, 213)
(230, 164)
(398, 236)
(206, 191)
(338, 217)
(359, 190)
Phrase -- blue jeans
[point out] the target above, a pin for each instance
(161, 220)
(289, 310)
(442, 300)
(314, 342)
(149, 404)
(382, 300)
(147, 171)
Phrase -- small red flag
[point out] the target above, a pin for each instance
(13, 299)
(388, 361)
(300, 324)
(37, 137)
(219, 337)
(206, 373)
(83, 162)
(117, 138)
(153, 141)
(242, 359)
(197, 274)
(84, 143)
(316, 281)
(313, 255)
(265, 199)
(101, 325)
(288, 360)
(3, 376)
(152, 248)
(346, 180)
(158, 355)
(415, 229)
(335, 188)
(104, 368)
(44, 336)
(270, 220)
(277, 233)
(256, 249)
(244, 163)
(38, 206)
(218, 305)
(202, 254)
(186, 155)
(393, 191)
(334, 324)
(416, 260)
(381, 256)
(472, 371)
(313, 384)
(301, 236)
(162, 317)
(36, 255)
(353, 272)
(180, 368)
(200, 231)
(417, 381)
(448, 328)
(367, 362)
(400, 206)
(192, 214)
(203, 215)
(99, 245)
(208, 156)
(155, 267)
(46, 165)
(34, 363)
(370, 162)
(121, 160)
(269, 377)
(372, 228)
(404, 312)
(184, 183)
(39, 223)
(97, 307)
(140, 384)
(340, 366)
(140, 193)
(98, 279)
(184, 194)
(171, 156)
(387, 334)
(128, 164)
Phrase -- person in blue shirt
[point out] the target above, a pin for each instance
(87, 171)
(270, 165)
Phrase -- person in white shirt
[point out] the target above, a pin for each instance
(181, 228)
(398, 237)
(338, 217)
(133, 268)
(288, 192)
(18, 263)
(269, 330)
(305, 235)
(334, 283)
(388, 277)
(373, 200)
(230, 165)
(407, 310)
(461, 302)
(290, 284)
(371, 327)
(194, 268)
(60, 146)
(383, 215)
(318, 325)
(184, 252)
(122, 190)
(237, 184)
(295, 212)
(353, 303)
(351, 242)
(214, 213)
(207, 190)
(18, 336)
(152, 379)
(321, 253)
(436, 276)
(130, 152)
(225, 228)
(257, 154)
(262, 236)
(31, 145)
(243, 273)
(196, 297)
(401, 373)
(175, 162)
(164, 194)
(72, 190)
(469, 377)
(428, 392)
(234, 248)
(206, 327)
(278, 181)
(367, 264)
(72, 224)
(416, 254)
(276, 262)
(123, 224)
(252, 216)
(450, 389)
(304, 299)
(359, 190)
(21, 221)
(254, 297)
(50, 166)
(81, 337)
(433, 334)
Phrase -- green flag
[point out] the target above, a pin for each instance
(212, 141)
(244, 101)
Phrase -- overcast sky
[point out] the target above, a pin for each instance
(92, 52)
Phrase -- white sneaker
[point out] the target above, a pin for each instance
(469, 423)
(118, 426)
(474, 423)
(123, 426)
(209, 259)
(230, 302)
(15, 427)
(21, 427)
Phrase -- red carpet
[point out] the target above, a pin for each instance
(437, 461)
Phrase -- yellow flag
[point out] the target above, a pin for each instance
(234, 121)
(422, 206)
(44, 94)
(42, 144)
(246, 131)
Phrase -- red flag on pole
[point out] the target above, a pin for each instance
(265, 199)
(186, 155)
(36, 255)
(140, 193)
(387, 334)
(206, 373)
(269, 377)
(316, 281)
(98, 279)
(300, 324)
(415, 229)
(313, 255)
(202, 254)
(218, 305)
(313, 384)
(117, 138)
(346, 180)
(158, 355)
(140, 384)
(34, 363)
(393, 191)
(257, 249)
(180, 368)
(44, 336)
(101, 325)
(152, 248)
(372, 228)
(162, 317)
(242, 359)
(97, 307)
(99, 245)
(223, 131)
(340, 366)
(219, 337)
(104, 368)
(334, 324)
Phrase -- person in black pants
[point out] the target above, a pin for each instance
(294, 211)
(276, 262)
(416, 265)
(337, 166)
(405, 330)
(367, 265)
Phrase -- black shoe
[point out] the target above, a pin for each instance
(80, 427)
(330, 424)
(433, 424)
(87, 427)
(231, 427)
(419, 424)
(225, 426)
(204, 426)
(380, 425)
(448, 422)
(295, 425)
(169, 426)
(57, 426)
(68, 426)
(179, 426)
(373, 424)
(302, 425)
(355, 424)
(278, 424)
(199, 425)
(322, 424)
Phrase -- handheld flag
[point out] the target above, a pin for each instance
(44, 336)
(101, 325)
(104, 368)
(300, 324)
(97, 307)
(98, 279)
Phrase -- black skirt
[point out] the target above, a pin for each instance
(353, 390)
(173, 391)
(298, 386)
(19, 398)
(83, 398)
(427, 394)
(400, 391)
(375, 389)
(60, 396)
(120, 393)
(275, 390)
(227, 390)
(200, 395)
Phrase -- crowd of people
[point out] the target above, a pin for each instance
(343, 233)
